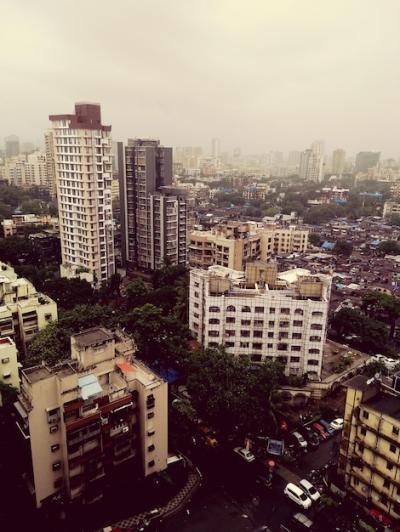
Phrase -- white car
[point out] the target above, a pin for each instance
(300, 440)
(337, 424)
(245, 454)
(309, 490)
(297, 495)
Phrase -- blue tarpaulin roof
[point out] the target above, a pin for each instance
(374, 242)
(170, 375)
(328, 245)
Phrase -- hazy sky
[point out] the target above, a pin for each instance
(259, 74)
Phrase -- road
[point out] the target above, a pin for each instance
(230, 500)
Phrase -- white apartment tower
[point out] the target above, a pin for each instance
(82, 159)
(312, 162)
(262, 315)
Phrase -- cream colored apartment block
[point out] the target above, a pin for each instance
(82, 160)
(23, 310)
(234, 244)
(8, 363)
(262, 315)
(391, 208)
(85, 416)
(370, 445)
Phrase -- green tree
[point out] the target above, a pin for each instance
(136, 292)
(69, 293)
(8, 394)
(373, 368)
(315, 239)
(51, 344)
(342, 247)
(377, 304)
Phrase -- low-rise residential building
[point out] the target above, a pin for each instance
(256, 191)
(233, 244)
(369, 456)
(85, 416)
(19, 223)
(262, 314)
(8, 363)
(23, 310)
(391, 208)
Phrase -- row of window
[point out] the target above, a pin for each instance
(259, 334)
(260, 310)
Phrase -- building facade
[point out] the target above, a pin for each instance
(262, 315)
(153, 212)
(391, 208)
(234, 244)
(366, 160)
(11, 144)
(312, 163)
(338, 162)
(88, 415)
(82, 158)
(23, 310)
(369, 457)
(27, 171)
(8, 363)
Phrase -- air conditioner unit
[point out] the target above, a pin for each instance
(125, 430)
(104, 421)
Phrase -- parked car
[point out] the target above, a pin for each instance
(309, 489)
(337, 424)
(301, 522)
(310, 436)
(297, 495)
(327, 426)
(246, 455)
(319, 429)
(298, 438)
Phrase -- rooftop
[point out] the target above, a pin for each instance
(387, 404)
(93, 336)
(359, 382)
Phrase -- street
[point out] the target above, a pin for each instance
(230, 500)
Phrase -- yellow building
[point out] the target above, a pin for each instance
(370, 446)
(8, 363)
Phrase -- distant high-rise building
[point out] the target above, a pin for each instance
(215, 148)
(11, 146)
(50, 163)
(338, 161)
(312, 161)
(153, 213)
(27, 171)
(294, 158)
(82, 158)
(365, 160)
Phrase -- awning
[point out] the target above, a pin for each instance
(125, 367)
(89, 386)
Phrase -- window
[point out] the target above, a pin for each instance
(315, 338)
(282, 347)
(299, 312)
(151, 463)
(245, 334)
(196, 305)
(56, 466)
(213, 333)
(150, 415)
(212, 344)
(317, 313)
(5, 360)
(284, 335)
(53, 428)
(393, 448)
(356, 481)
(229, 344)
(313, 351)
(257, 334)
(196, 294)
(285, 310)
(272, 310)
(270, 346)
(230, 320)
(245, 345)
(395, 431)
(246, 309)
(386, 484)
(389, 466)
(54, 447)
(257, 346)
(258, 323)
(246, 322)
(256, 358)
(212, 321)
(316, 327)
(365, 414)
(296, 348)
(283, 324)
(297, 336)
(270, 335)
(214, 309)
(151, 448)
(259, 309)
(361, 447)
(297, 323)
(294, 359)
(230, 308)
(271, 324)
(363, 431)
(7, 375)
(313, 362)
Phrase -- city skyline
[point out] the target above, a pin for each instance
(298, 80)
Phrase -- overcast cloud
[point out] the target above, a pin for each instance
(259, 74)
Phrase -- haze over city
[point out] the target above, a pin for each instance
(259, 75)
